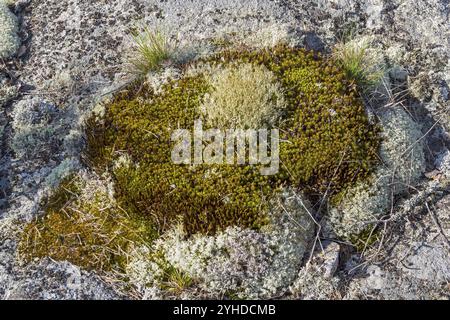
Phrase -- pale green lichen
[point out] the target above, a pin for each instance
(9, 40)
(141, 269)
(402, 150)
(359, 208)
(64, 169)
(246, 263)
(34, 131)
(245, 96)
(148, 268)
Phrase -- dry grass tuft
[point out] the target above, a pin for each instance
(150, 50)
(360, 62)
(84, 226)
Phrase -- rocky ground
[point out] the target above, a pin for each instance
(72, 55)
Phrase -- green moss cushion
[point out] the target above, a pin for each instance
(327, 143)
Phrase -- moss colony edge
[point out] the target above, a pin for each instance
(327, 145)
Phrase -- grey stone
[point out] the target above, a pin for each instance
(51, 280)
(77, 55)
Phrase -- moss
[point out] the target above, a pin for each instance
(327, 144)
(330, 144)
(89, 232)
(155, 187)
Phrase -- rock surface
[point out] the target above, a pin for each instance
(72, 54)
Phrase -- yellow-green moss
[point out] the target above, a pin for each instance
(329, 144)
(94, 234)
(209, 197)
(366, 239)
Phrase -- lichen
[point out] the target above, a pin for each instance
(248, 263)
(243, 96)
(329, 142)
(311, 284)
(358, 209)
(226, 228)
(63, 170)
(34, 129)
(9, 39)
(402, 150)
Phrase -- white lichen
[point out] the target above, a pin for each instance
(267, 37)
(9, 26)
(42, 131)
(402, 150)
(245, 96)
(157, 80)
(361, 206)
(244, 262)
(98, 111)
(311, 284)
(123, 161)
(141, 269)
(403, 163)
(66, 167)
(34, 132)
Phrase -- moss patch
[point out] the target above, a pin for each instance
(328, 144)
(210, 198)
(331, 143)
(92, 233)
